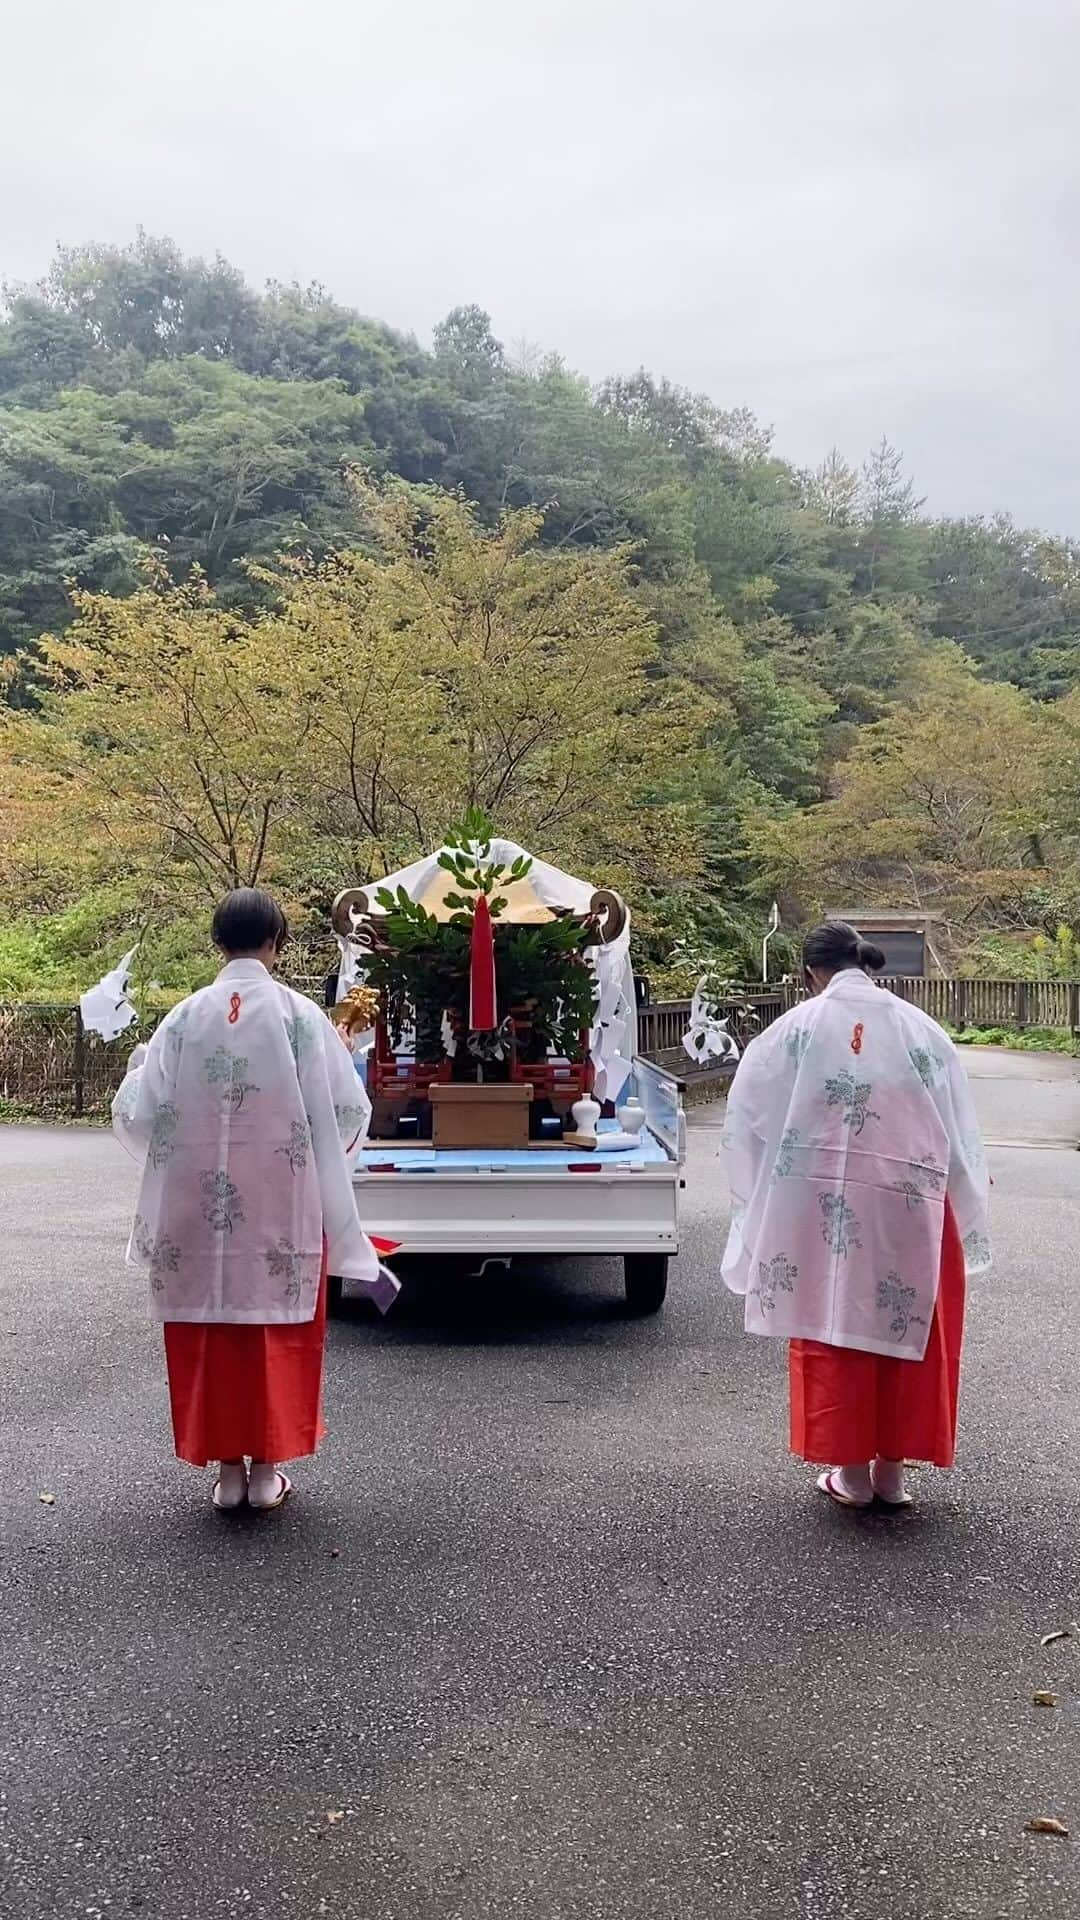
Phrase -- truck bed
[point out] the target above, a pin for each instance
(392, 1156)
(534, 1200)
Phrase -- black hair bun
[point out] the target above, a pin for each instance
(248, 920)
(870, 956)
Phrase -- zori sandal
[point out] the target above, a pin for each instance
(281, 1489)
(828, 1482)
(231, 1487)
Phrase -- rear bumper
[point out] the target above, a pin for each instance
(588, 1213)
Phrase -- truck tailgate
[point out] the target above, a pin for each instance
(603, 1209)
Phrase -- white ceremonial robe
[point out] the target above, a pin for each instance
(849, 1122)
(243, 1114)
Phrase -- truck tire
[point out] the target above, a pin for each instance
(333, 1293)
(645, 1276)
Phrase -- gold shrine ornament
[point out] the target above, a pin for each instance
(355, 1014)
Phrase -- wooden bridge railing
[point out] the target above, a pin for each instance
(1010, 1004)
(996, 1003)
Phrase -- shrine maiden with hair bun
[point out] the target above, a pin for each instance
(859, 1203)
(243, 1112)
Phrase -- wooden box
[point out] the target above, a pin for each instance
(485, 1115)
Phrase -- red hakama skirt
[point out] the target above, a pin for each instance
(253, 1390)
(849, 1407)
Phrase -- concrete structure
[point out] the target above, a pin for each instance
(906, 939)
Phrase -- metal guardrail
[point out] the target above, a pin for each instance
(50, 1067)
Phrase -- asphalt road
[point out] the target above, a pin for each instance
(554, 1627)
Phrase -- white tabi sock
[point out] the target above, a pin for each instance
(264, 1483)
(231, 1488)
(854, 1481)
(889, 1480)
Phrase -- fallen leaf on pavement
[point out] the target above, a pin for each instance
(1043, 1823)
(332, 1816)
(47, 1499)
(1059, 1633)
(1044, 1699)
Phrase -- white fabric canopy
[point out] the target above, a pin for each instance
(613, 1040)
(242, 1112)
(850, 1121)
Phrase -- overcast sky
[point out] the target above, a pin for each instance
(854, 216)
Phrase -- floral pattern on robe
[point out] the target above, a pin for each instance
(849, 1123)
(243, 1111)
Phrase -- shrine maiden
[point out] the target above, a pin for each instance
(242, 1112)
(859, 1198)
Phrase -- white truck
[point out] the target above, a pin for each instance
(496, 1203)
(544, 1196)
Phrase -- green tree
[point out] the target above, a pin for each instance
(1009, 596)
(179, 744)
(208, 464)
(940, 805)
(147, 300)
(794, 621)
(42, 349)
(466, 345)
(834, 490)
(888, 552)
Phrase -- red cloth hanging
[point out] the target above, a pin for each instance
(482, 1013)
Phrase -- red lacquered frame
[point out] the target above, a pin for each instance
(388, 1080)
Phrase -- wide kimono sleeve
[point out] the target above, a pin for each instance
(143, 1110)
(760, 1089)
(969, 1179)
(352, 1108)
(338, 1111)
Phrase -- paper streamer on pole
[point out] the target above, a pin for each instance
(706, 1037)
(348, 966)
(106, 1009)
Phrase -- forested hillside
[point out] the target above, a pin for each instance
(312, 587)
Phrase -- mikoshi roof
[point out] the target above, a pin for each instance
(529, 900)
